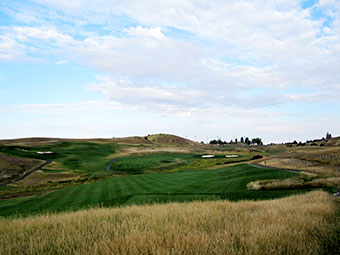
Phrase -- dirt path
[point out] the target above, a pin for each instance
(33, 170)
(108, 167)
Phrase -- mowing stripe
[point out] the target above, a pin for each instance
(66, 199)
(129, 184)
(226, 183)
(153, 182)
(115, 188)
(104, 193)
(124, 182)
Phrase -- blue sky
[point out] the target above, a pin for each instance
(198, 69)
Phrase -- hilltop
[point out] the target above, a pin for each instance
(160, 139)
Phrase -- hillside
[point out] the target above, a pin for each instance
(12, 167)
(172, 140)
(160, 139)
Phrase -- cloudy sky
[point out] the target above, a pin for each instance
(199, 69)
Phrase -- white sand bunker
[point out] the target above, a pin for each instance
(44, 152)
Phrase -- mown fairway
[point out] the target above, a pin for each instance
(151, 162)
(84, 156)
(227, 183)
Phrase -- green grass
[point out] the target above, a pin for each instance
(6, 187)
(227, 183)
(84, 156)
(170, 161)
(150, 162)
(12, 202)
(55, 170)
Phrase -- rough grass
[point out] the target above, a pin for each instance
(300, 224)
(12, 167)
(40, 177)
(295, 183)
(301, 165)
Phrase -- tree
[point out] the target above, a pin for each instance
(242, 139)
(257, 141)
(247, 141)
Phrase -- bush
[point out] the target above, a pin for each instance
(256, 157)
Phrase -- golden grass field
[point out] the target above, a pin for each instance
(293, 183)
(298, 224)
(301, 165)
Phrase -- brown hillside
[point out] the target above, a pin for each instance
(135, 140)
(166, 139)
(12, 167)
(30, 141)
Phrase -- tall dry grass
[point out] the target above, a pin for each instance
(293, 225)
(291, 163)
(294, 183)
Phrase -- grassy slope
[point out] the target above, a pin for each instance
(84, 156)
(229, 183)
(301, 224)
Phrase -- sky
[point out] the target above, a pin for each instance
(198, 69)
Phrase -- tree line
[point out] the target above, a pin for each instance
(243, 140)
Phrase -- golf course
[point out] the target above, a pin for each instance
(44, 177)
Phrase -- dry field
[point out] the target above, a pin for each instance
(301, 165)
(294, 183)
(294, 225)
(39, 177)
(124, 151)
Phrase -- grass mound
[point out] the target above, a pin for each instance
(150, 162)
(166, 139)
(294, 225)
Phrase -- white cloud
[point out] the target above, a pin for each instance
(280, 36)
(25, 34)
(62, 62)
(145, 32)
(86, 106)
(231, 48)
(321, 96)
(10, 49)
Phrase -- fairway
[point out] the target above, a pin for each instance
(227, 183)
(151, 162)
